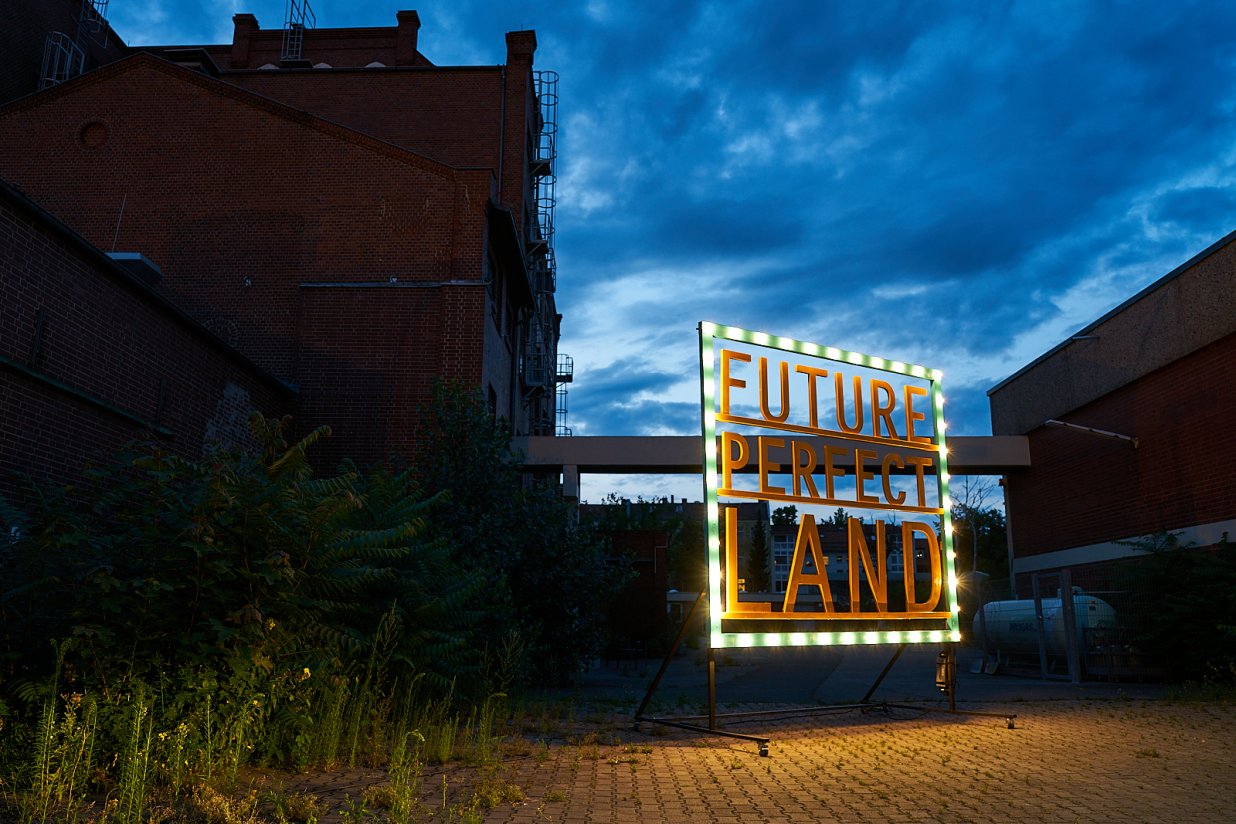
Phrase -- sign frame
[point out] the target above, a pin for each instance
(878, 633)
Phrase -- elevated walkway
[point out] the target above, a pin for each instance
(683, 455)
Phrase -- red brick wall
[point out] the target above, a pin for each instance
(107, 347)
(253, 46)
(241, 200)
(368, 358)
(216, 190)
(1085, 489)
(452, 115)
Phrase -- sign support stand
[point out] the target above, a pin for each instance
(946, 670)
(682, 724)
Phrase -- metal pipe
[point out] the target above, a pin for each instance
(1091, 430)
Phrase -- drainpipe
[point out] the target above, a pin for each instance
(501, 134)
(1008, 534)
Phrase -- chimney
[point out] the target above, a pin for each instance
(405, 37)
(245, 25)
(520, 46)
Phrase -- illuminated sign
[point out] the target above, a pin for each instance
(849, 450)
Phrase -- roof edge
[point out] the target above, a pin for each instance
(52, 223)
(1111, 313)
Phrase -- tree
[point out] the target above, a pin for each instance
(755, 568)
(1181, 604)
(972, 522)
(686, 558)
(550, 578)
(243, 555)
(785, 516)
(839, 518)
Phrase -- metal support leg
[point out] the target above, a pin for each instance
(712, 689)
(669, 656)
(883, 673)
(760, 741)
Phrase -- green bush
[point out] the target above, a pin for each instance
(1185, 615)
(241, 564)
(550, 578)
(240, 608)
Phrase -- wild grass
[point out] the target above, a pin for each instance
(125, 762)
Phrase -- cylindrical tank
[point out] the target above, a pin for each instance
(1011, 626)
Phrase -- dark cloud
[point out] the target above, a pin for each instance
(624, 379)
(1208, 209)
(956, 172)
(717, 228)
(645, 417)
(631, 398)
(930, 176)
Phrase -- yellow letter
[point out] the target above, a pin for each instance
(908, 528)
(882, 411)
(801, 470)
(812, 373)
(877, 572)
(912, 416)
(859, 417)
(831, 451)
(726, 380)
(731, 460)
(766, 465)
(919, 464)
(785, 392)
(890, 459)
(808, 540)
(861, 474)
(732, 604)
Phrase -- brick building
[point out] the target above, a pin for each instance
(347, 219)
(91, 355)
(1160, 369)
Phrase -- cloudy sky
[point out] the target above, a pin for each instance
(960, 185)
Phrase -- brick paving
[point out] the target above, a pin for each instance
(1113, 759)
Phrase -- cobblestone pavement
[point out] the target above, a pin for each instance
(1112, 759)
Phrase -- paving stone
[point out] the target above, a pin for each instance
(1067, 760)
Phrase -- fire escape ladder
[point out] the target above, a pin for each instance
(297, 17)
(64, 57)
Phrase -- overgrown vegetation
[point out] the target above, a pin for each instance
(548, 577)
(1184, 618)
(173, 621)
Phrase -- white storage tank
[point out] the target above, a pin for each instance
(1011, 626)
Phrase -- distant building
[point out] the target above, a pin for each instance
(834, 547)
(1127, 424)
(349, 220)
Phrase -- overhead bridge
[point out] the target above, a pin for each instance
(684, 455)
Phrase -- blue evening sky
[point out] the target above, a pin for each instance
(960, 185)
